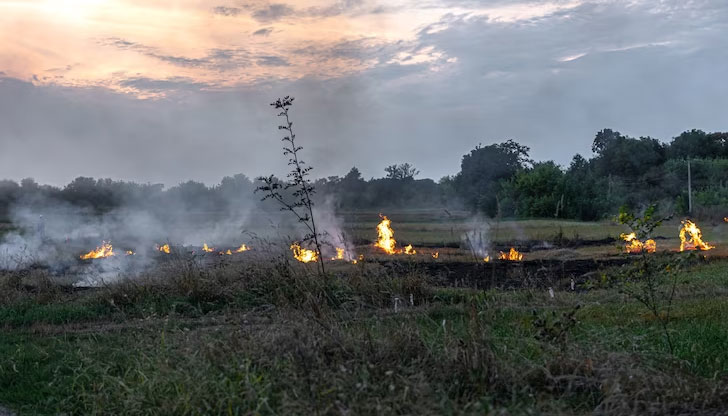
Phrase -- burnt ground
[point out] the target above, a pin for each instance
(503, 274)
(456, 269)
(521, 245)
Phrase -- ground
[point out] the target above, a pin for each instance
(277, 338)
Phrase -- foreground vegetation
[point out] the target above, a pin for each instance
(279, 339)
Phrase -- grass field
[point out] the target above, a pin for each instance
(273, 340)
(434, 229)
(271, 337)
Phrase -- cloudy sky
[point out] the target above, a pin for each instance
(165, 91)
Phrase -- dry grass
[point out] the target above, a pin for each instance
(275, 338)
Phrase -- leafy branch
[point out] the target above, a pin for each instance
(301, 206)
(650, 282)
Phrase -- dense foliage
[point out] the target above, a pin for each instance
(497, 179)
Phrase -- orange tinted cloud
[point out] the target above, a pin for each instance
(122, 44)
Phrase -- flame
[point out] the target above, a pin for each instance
(409, 250)
(129, 253)
(691, 238)
(386, 239)
(163, 249)
(226, 253)
(339, 254)
(207, 249)
(242, 248)
(512, 255)
(106, 250)
(435, 254)
(725, 219)
(355, 261)
(635, 246)
(486, 259)
(650, 246)
(303, 255)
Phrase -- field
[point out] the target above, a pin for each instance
(264, 335)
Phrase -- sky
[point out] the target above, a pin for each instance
(167, 91)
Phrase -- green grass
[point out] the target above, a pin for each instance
(240, 341)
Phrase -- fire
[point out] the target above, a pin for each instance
(650, 246)
(226, 253)
(129, 253)
(486, 259)
(207, 249)
(512, 255)
(303, 255)
(725, 219)
(691, 238)
(635, 246)
(163, 249)
(106, 250)
(242, 248)
(339, 254)
(386, 239)
(435, 254)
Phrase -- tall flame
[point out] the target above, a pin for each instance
(303, 255)
(691, 238)
(512, 255)
(207, 249)
(386, 239)
(635, 246)
(242, 248)
(106, 250)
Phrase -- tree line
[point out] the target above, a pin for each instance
(496, 180)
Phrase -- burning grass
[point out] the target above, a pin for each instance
(511, 255)
(386, 241)
(691, 237)
(303, 255)
(105, 250)
(634, 246)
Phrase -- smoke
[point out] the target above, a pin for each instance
(477, 237)
(332, 228)
(52, 233)
(16, 252)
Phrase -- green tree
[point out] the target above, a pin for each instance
(624, 156)
(698, 144)
(481, 171)
(537, 191)
(402, 171)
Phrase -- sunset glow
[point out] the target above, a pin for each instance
(149, 48)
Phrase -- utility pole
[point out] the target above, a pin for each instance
(690, 190)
